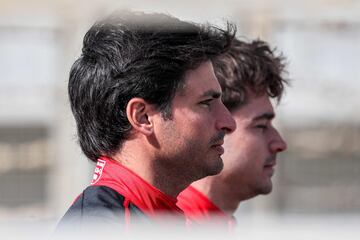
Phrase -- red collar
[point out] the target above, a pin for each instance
(146, 197)
(198, 208)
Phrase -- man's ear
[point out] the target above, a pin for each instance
(138, 112)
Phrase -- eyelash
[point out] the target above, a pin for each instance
(262, 127)
(206, 102)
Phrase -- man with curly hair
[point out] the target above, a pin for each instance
(249, 74)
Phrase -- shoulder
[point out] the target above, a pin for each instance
(99, 197)
(97, 205)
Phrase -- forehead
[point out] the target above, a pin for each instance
(200, 80)
(255, 106)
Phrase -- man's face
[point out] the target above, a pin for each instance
(250, 155)
(191, 140)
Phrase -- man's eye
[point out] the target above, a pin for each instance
(206, 102)
(262, 127)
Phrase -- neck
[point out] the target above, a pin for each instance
(149, 168)
(168, 181)
(219, 193)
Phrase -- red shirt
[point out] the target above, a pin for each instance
(200, 209)
(117, 195)
(150, 200)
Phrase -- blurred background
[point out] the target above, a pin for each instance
(317, 180)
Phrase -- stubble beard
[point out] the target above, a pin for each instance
(190, 159)
(265, 188)
(208, 162)
(193, 162)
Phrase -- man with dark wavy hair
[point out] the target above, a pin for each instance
(148, 110)
(249, 74)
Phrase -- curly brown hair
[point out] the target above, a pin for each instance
(249, 66)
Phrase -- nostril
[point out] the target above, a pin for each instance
(279, 146)
(229, 128)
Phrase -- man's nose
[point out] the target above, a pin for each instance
(278, 144)
(226, 121)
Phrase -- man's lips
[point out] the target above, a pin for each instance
(218, 147)
(270, 164)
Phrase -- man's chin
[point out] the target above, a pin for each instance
(215, 168)
(267, 188)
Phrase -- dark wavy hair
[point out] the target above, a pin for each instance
(131, 55)
(252, 66)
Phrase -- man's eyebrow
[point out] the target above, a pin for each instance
(264, 116)
(211, 93)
